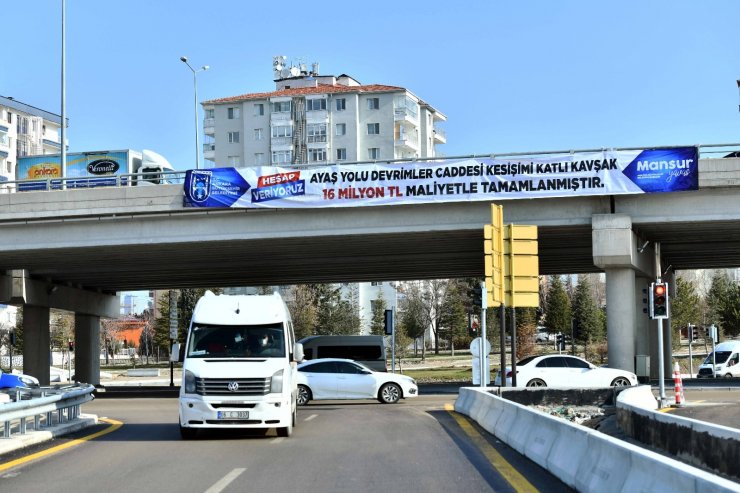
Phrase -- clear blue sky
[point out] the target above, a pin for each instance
(513, 76)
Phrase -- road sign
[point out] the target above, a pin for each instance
(521, 266)
(493, 249)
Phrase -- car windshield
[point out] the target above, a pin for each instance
(721, 357)
(236, 341)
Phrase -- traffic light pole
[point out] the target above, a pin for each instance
(482, 345)
(661, 370)
(503, 345)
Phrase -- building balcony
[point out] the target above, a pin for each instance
(404, 114)
(281, 141)
(440, 136)
(209, 126)
(406, 142)
(209, 151)
(283, 116)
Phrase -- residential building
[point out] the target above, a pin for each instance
(312, 118)
(25, 131)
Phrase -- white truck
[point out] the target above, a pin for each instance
(239, 365)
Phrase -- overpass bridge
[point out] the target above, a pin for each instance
(75, 249)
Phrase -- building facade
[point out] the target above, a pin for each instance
(25, 131)
(312, 118)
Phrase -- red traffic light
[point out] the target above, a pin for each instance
(660, 289)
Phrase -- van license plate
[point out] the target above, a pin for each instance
(233, 415)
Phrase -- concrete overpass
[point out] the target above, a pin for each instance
(61, 248)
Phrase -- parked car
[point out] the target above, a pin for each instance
(544, 336)
(12, 380)
(336, 378)
(556, 370)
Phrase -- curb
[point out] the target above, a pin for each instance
(19, 441)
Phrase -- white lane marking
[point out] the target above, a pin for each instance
(278, 440)
(310, 417)
(225, 481)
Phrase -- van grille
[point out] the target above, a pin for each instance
(220, 386)
(705, 371)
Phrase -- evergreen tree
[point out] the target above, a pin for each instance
(587, 324)
(377, 323)
(303, 310)
(684, 309)
(454, 317)
(557, 314)
(335, 316)
(724, 304)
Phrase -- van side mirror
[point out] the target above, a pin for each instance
(298, 352)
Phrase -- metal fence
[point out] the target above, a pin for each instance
(42, 407)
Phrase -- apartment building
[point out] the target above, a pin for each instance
(312, 118)
(25, 131)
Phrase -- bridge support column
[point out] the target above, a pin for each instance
(36, 343)
(615, 249)
(87, 349)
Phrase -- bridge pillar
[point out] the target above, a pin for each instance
(87, 349)
(36, 343)
(615, 249)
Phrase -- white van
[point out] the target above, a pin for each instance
(727, 359)
(239, 365)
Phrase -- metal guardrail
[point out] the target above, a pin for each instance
(50, 405)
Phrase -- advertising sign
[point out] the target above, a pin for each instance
(564, 175)
(97, 169)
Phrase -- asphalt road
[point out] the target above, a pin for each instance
(414, 446)
(720, 406)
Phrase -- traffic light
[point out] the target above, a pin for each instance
(692, 333)
(560, 342)
(12, 338)
(388, 322)
(473, 325)
(476, 296)
(658, 300)
(71, 346)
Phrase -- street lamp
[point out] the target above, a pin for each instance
(184, 60)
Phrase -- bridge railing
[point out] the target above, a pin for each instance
(72, 182)
(45, 407)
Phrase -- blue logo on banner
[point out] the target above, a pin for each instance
(281, 191)
(218, 187)
(665, 170)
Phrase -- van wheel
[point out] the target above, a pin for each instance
(389, 393)
(304, 395)
(285, 431)
(729, 375)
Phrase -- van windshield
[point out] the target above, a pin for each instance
(720, 358)
(236, 341)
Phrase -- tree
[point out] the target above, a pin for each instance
(186, 300)
(377, 323)
(526, 329)
(557, 312)
(684, 309)
(412, 312)
(724, 303)
(335, 316)
(303, 310)
(587, 323)
(454, 316)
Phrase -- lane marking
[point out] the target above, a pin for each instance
(72, 443)
(311, 417)
(511, 475)
(225, 481)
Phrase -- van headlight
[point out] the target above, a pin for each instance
(276, 382)
(189, 382)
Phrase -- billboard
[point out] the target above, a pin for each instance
(472, 179)
(97, 169)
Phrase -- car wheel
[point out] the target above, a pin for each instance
(729, 375)
(304, 395)
(389, 393)
(536, 382)
(187, 433)
(621, 382)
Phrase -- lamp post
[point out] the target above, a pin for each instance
(184, 60)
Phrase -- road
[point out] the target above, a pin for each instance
(720, 406)
(414, 446)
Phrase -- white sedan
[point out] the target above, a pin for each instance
(555, 370)
(334, 378)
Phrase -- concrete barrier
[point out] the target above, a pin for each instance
(142, 372)
(583, 458)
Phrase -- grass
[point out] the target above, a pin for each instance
(432, 375)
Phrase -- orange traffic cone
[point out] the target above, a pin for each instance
(678, 386)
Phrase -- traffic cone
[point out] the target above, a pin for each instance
(678, 386)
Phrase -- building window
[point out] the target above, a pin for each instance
(259, 109)
(282, 157)
(315, 104)
(234, 161)
(316, 155)
(373, 128)
(210, 113)
(316, 132)
(341, 129)
(373, 153)
(376, 283)
(233, 113)
(282, 131)
(4, 138)
(281, 107)
(257, 134)
(259, 159)
(341, 104)
(10, 117)
(373, 103)
(233, 137)
(341, 154)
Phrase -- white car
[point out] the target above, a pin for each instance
(335, 378)
(555, 370)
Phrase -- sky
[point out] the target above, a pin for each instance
(510, 76)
